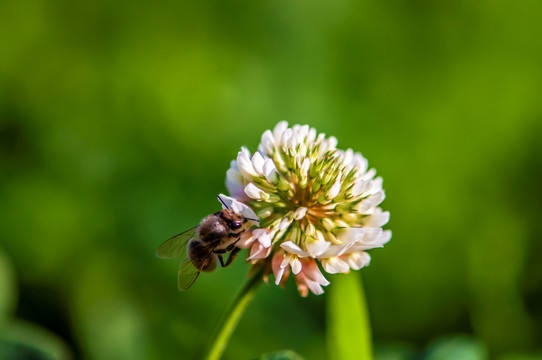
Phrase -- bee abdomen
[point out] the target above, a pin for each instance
(200, 257)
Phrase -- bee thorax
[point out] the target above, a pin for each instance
(212, 230)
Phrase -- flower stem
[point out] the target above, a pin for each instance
(349, 329)
(232, 316)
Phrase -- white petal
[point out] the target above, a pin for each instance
(293, 249)
(315, 247)
(285, 138)
(377, 219)
(301, 131)
(296, 265)
(284, 223)
(276, 263)
(305, 166)
(254, 192)
(336, 250)
(358, 188)
(245, 164)
(385, 237)
(369, 174)
(270, 170)
(257, 162)
(279, 129)
(375, 186)
(334, 190)
(300, 213)
(365, 205)
(331, 143)
(378, 197)
(285, 262)
(235, 185)
(267, 143)
(348, 158)
(278, 275)
(238, 208)
(311, 136)
(376, 238)
(371, 235)
(349, 235)
(361, 163)
(334, 265)
(357, 260)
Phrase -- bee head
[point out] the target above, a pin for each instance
(234, 221)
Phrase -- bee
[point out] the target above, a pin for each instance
(205, 245)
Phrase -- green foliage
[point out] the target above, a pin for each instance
(7, 289)
(281, 355)
(22, 340)
(453, 348)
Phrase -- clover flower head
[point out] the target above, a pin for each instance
(316, 204)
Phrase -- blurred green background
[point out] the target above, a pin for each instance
(118, 121)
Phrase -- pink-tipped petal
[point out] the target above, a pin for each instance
(314, 287)
(258, 252)
(312, 272)
(263, 236)
(245, 240)
(281, 273)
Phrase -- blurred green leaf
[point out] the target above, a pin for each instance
(109, 323)
(456, 347)
(281, 355)
(7, 288)
(394, 351)
(23, 340)
(348, 329)
(522, 356)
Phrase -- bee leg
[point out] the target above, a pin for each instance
(221, 260)
(232, 256)
(231, 246)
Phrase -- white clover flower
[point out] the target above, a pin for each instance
(315, 203)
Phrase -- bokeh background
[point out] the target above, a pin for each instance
(118, 121)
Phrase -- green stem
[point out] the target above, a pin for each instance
(349, 329)
(231, 317)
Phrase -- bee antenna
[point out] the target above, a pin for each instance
(223, 203)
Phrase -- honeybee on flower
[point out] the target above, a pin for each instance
(318, 206)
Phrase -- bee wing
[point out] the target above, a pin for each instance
(176, 245)
(188, 273)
